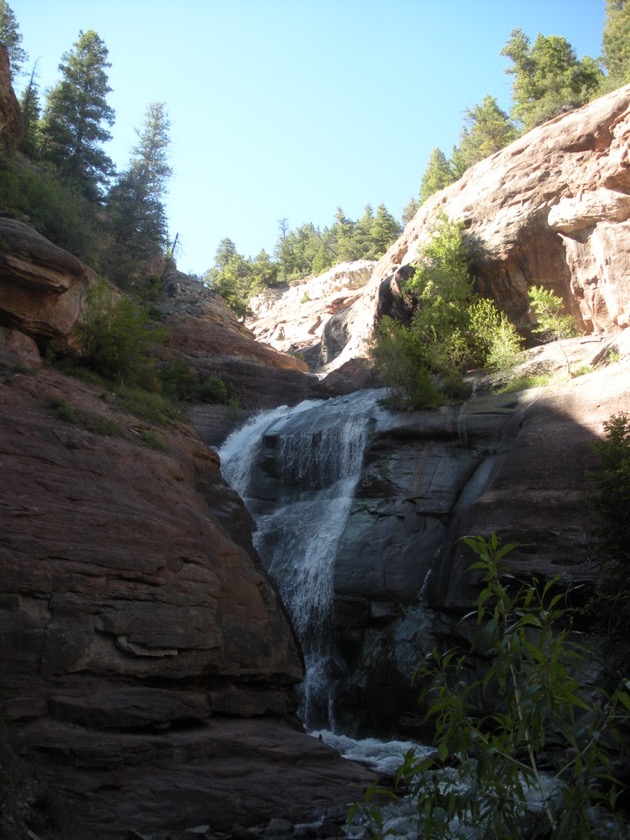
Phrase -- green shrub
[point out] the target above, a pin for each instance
(539, 734)
(116, 338)
(401, 361)
(146, 404)
(216, 390)
(90, 420)
(181, 383)
(56, 211)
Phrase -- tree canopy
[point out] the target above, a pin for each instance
(76, 116)
(11, 38)
(487, 130)
(438, 174)
(136, 200)
(616, 43)
(549, 79)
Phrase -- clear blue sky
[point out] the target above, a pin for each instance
(290, 108)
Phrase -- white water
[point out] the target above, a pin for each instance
(317, 456)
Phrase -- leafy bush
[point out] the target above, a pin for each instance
(116, 337)
(610, 508)
(56, 211)
(451, 329)
(551, 324)
(181, 383)
(495, 339)
(543, 737)
(147, 404)
(401, 361)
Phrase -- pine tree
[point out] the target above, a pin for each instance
(410, 210)
(616, 43)
(30, 107)
(548, 77)
(385, 230)
(11, 38)
(438, 174)
(135, 202)
(487, 131)
(76, 111)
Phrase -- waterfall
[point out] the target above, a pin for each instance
(296, 469)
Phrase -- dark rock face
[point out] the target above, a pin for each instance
(147, 664)
(515, 465)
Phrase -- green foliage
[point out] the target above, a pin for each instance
(11, 38)
(443, 288)
(410, 210)
(55, 210)
(75, 116)
(451, 329)
(541, 735)
(548, 77)
(181, 383)
(495, 338)
(135, 203)
(90, 420)
(616, 44)
(551, 324)
(116, 338)
(523, 383)
(438, 174)
(149, 405)
(31, 113)
(400, 358)
(487, 130)
(609, 504)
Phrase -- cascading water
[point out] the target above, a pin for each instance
(296, 470)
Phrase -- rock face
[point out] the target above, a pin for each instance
(551, 209)
(42, 287)
(209, 336)
(516, 465)
(134, 618)
(11, 126)
(309, 317)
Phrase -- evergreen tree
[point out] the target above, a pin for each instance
(385, 230)
(487, 131)
(76, 111)
(616, 43)
(410, 210)
(438, 174)
(11, 38)
(135, 202)
(548, 77)
(31, 112)
(343, 232)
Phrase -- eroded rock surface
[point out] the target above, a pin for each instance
(137, 626)
(42, 287)
(551, 209)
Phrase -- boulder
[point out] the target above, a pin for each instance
(42, 287)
